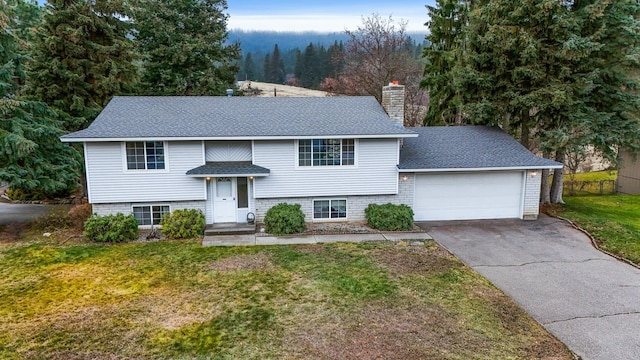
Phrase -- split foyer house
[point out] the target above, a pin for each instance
(231, 156)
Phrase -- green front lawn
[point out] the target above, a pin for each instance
(593, 176)
(614, 220)
(180, 300)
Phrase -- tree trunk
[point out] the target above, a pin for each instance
(524, 131)
(506, 122)
(545, 197)
(458, 119)
(556, 185)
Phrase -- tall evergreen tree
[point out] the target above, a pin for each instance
(183, 44)
(266, 66)
(447, 21)
(309, 70)
(249, 68)
(275, 66)
(334, 59)
(81, 58)
(32, 158)
(556, 72)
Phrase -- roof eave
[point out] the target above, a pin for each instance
(226, 138)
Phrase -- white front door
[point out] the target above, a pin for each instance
(224, 200)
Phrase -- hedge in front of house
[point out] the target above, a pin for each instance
(183, 224)
(284, 219)
(111, 228)
(389, 217)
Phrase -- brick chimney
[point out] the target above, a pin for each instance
(393, 102)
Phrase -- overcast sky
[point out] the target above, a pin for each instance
(323, 15)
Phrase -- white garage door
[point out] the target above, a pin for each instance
(467, 196)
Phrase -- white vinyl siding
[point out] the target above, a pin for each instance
(468, 196)
(112, 183)
(375, 172)
(228, 151)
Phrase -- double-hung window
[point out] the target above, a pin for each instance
(145, 155)
(146, 215)
(326, 152)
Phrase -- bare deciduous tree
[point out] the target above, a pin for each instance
(377, 53)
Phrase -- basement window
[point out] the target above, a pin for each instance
(330, 209)
(151, 213)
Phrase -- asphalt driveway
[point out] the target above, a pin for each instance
(18, 213)
(587, 299)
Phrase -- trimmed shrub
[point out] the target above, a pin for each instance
(284, 219)
(389, 217)
(111, 228)
(183, 224)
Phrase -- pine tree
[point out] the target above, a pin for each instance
(309, 68)
(444, 53)
(31, 156)
(81, 58)
(183, 44)
(276, 72)
(266, 66)
(249, 68)
(562, 73)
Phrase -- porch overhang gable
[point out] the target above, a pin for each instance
(228, 169)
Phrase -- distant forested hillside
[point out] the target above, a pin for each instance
(297, 58)
(263, 41)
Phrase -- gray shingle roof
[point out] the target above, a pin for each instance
(217, 117)
(229, 168)
(466, 147)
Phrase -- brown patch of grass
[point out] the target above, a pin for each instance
(512, 318)
(11, 233)
(428, 259)
(252, 262)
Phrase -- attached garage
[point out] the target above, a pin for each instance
(469, 195)
(469, 173)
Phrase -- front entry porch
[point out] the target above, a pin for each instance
(229, 190)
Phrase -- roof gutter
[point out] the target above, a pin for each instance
(505, 168)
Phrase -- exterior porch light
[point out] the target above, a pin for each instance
(208, 178)
(250, 177)
(533, 173)
(404, 178)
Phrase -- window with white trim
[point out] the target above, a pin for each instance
(150, 213)
(326, 152)
(145, 155)
(330, 209)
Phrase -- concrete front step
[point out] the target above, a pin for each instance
(229, 229)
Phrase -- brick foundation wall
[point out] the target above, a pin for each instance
(125, 208)
(532, 195)
(355, 204)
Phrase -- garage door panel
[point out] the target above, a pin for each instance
(466, 196)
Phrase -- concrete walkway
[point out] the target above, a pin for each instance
(234, 240)
(588, 300)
